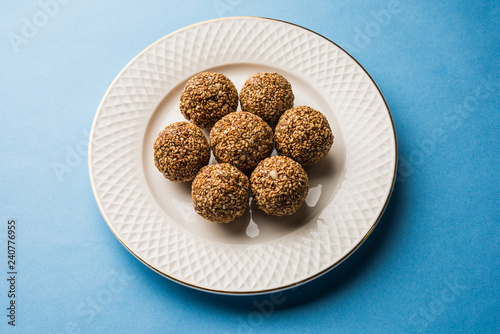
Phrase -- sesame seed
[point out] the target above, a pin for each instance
(267, 95)
(303, 134)
(220, 193)
(281, 196)
(241, 139)
(180, 150)
(207, 97)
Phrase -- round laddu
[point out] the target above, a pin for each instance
(304, 135)
(266, 95)
(241, 139)
(220, 193)
(207, 97)
(279, 185)
(180, 150)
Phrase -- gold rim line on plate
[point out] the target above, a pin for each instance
(285, 287)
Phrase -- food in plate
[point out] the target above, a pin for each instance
(241, 139)
(303, 134)
(220, 193)
(242, 143)
(180, 150)
(279, 185)
(266, 94)
(207, 97)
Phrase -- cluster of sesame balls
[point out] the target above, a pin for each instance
(242, 143)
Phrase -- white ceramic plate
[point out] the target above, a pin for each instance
(154, 218)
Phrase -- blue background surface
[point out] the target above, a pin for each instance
(432, 263)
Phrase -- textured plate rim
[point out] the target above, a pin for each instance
(224, 292)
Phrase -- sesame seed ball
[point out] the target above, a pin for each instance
(180, 150)
(279, 186)
(207, 97)
(220, 193)
(241, 139)
(304, 135)
(267, 95)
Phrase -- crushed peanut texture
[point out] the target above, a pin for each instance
(266, 95)
(279, 185)
(180, 150)
(220, 193)
(207, 97)
(304, 135)
(241, 139)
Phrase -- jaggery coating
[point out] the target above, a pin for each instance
(279, 185)
(180, 150)
(220, 193)
(267, 95)
(303, 134)
(207, 97)
(241, 139)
